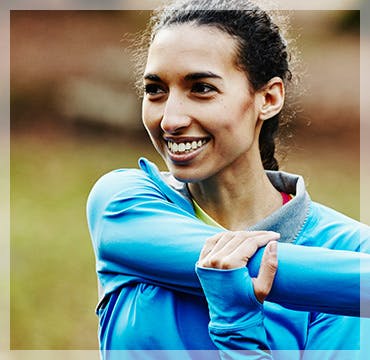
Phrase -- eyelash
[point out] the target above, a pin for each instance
(197, 88)
(152, 89)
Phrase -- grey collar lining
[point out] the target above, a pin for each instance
(288, 220)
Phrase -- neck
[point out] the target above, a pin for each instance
(237, 197)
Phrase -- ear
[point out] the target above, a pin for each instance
(272, 98)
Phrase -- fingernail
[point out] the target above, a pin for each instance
(273, 247)
(275, 233)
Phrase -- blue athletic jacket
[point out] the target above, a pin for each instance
(155, 302)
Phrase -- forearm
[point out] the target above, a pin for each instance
(303, 272)
(236, 317)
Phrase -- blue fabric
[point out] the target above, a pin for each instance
(147, 240)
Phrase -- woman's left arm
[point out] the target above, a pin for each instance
(235, 302)
(234, 297)
(337, 337)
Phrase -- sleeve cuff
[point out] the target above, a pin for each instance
(231, 299)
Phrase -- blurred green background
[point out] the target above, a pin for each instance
(75, 116)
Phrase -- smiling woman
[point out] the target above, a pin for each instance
(182, 249)
(179, 106)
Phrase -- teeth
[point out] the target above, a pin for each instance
(185, 146)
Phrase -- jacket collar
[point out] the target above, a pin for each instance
(288, 220)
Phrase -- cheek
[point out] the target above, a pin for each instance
(149, 119)
(145, 113)
(240, 125)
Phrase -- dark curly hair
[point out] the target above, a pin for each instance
(261, 49)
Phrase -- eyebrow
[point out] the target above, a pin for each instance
(188, 77)
(201, 75)
(152, 77)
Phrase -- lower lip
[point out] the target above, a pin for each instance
(185, 157)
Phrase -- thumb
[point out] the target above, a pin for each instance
(262, 284)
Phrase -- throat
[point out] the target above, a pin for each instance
(240, 209)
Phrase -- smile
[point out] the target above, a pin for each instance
(185, 147)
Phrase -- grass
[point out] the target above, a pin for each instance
(53, 283)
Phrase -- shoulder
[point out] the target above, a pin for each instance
(330, 228)
(130, 187)
(120, 179)
(147, 178)
(328, 216)
(118, 185)
(115, 181)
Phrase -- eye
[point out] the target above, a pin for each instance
(153, 89)
(202, 88)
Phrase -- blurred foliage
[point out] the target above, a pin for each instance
(53, 282)
(73, 65)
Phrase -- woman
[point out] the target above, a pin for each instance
(214, 86)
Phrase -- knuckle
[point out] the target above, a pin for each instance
(210, 241)
(270, 270)
(219, 263)
(213, 240)
(252, 243)
(202, 263)
(262, 289)
(214, 262)
(205, 263)
(248, 240)
(271, 263)
(262, 240)
(225, 264)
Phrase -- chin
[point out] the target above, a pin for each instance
(191, 172)
(187, 176)
(182, 177)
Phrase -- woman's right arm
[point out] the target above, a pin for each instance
(139, 235)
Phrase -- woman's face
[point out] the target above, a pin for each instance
(198, 107)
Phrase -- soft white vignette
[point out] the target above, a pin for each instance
(5, 8)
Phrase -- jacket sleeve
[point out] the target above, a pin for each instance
(236, 322)
(337, 337)
(140, 236)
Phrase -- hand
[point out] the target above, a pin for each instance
(233, 249)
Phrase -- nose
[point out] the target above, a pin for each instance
(175, 117)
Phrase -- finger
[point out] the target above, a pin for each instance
(229, 240)
(250, 246)
(262, 284)
(218, 240)
(209, 244)
(238, 250)
(225, 245)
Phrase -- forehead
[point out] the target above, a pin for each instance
(189, 47)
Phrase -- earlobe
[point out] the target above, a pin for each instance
(273, 98)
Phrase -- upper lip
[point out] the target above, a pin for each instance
(184, 139)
